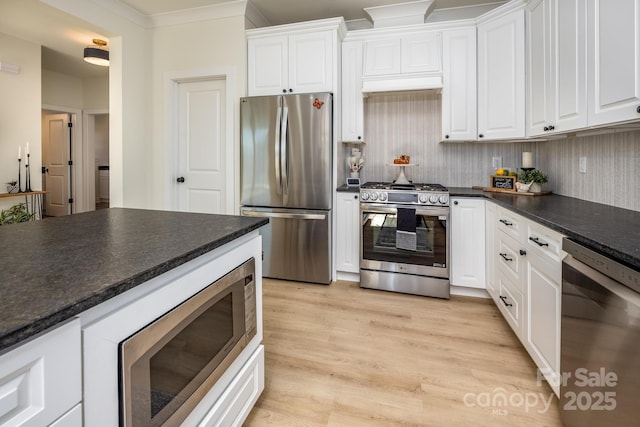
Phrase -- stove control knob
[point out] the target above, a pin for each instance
(382, 197)
(433, 198)
(374, 196)
(423, 198)
(444, 199)
(364, 195)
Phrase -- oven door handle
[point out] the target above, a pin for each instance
(393, 211)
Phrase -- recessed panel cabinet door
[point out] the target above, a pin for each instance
(311, 59)
(614, 60)
(268, 65)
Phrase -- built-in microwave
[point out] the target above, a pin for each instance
(167, 367)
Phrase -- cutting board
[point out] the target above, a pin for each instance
(518, 193)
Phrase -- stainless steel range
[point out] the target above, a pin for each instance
(404, 243)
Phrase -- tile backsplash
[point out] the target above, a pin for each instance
(410, 123)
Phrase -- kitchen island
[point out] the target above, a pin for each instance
(67, 273)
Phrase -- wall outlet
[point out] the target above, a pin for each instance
(582, 166)
(496, 162)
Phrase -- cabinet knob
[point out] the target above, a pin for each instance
(638, 109)
(356, 197)
(551, 127)
(546, 128)
(359, 137)
(284, 91)
(455, 203)
(523, 252)
(481, 136)
(180, 179)
(290, 90)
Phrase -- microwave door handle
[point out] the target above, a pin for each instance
(285, 150)
(276, 150)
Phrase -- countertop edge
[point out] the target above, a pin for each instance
(18, 336)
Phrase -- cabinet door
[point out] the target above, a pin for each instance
(539, 87)
(614, 60)
(490, 250)
(348, 233)
(421, 53)
(267, 61)
(468, 243)
(459, 85)
(382, 57)
(543, 319)
(501, 84)
(568, 64)
(311, 62)
(352, 102)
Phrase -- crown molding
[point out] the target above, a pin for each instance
(204, 13)
(126, 11)
(256, 17)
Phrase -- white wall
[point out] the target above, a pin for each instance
(61, 90)
(20, 105)
(216, 45)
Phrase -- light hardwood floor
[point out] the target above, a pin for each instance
(340, 355)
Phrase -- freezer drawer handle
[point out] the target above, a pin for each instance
(505, 222)
(284, 215)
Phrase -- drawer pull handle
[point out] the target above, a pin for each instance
(505, 222)
(504, 301)
(537, 241)
(505, 257)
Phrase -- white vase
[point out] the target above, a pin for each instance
(536, 187)
(355, 174)
(12, 188)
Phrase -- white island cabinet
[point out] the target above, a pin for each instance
(40, 380)
(294, 58)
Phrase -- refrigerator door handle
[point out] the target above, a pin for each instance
(276, 149)
(284, 215)
(285, 150)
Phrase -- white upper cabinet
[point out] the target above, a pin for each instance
(402, 60)
(501, 77)
(459, 122)
(556, 66)
(614, 60)
(352, 102)
(295, 58)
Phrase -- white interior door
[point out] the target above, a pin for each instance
(202, 147)
(55, 153)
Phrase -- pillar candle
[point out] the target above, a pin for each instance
(19, 152)
(527, 159)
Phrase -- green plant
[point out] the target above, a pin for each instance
(14, 182)
(532, 175)
(15, 214)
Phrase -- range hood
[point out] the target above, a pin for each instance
(399, 83)
(393, 15)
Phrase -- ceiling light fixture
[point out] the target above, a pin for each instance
(97, 54)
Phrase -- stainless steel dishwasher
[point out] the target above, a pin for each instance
(600, 340)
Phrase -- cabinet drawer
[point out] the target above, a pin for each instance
(545, 242)
(40, 380)
(508, 257)
(510, 223)
(510, 303)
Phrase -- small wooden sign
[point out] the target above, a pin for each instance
(503, 182)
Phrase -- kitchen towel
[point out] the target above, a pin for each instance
(406, 229)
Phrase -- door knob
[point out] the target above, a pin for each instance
(180, 179)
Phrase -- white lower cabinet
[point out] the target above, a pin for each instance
(348, 232)
(524, 264)
(41, 379)
(233, 407)
(73, 418)
(467, 242)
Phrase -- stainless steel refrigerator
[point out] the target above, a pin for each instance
(286, 174)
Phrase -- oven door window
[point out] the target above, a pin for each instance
(380, 243)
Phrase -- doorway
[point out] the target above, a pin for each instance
(57, 159)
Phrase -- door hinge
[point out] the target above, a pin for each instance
(70, 124)
(70, 200)
(70, 163)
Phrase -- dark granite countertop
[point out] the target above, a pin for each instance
(612, 231)
(59, 267)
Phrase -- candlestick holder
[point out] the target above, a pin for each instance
(19, 177)
(27, 176)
